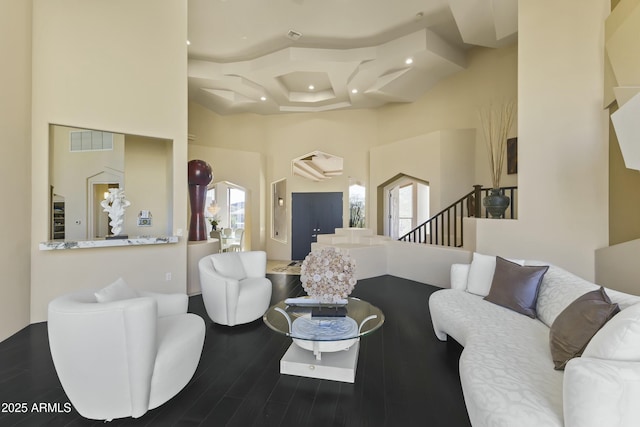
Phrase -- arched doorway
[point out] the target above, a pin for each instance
(403, 204)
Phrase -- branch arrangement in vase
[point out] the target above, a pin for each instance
(496, 120)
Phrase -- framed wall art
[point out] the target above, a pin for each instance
(512, 156)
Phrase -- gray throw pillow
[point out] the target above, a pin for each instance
(516, 286)
(577, 324)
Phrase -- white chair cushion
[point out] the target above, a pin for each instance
(229, 265)
(619, 338)
(116, 291)
(481, 273)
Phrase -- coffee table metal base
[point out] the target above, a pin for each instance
(336, 366)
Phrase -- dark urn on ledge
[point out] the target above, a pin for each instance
(496, 202)
(200, 175)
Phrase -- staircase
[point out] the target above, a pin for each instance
(446, 227)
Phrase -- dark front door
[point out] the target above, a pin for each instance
(313, 214)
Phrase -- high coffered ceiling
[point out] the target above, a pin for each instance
(275, 56)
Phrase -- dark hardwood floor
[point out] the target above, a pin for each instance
(405, 376)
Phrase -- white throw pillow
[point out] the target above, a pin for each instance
(481, 273)
(229, 265)
(116, 291)
(619, 338)
(459, 276)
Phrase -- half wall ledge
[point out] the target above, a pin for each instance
(88, 244)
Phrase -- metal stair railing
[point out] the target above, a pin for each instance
(446, 227)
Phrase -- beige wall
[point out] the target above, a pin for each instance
(562, 137)
(15, 167)
(244, 132)
(491, 76)
(443, 159)
(119, 66)
(347, 134)
(617, 266)
(424, 263)
(147, 168)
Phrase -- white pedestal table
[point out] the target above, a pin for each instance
(326, 337)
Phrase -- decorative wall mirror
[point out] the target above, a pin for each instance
(85, 163)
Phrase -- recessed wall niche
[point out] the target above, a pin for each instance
(141, 165)
(279, 210)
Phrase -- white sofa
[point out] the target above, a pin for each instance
(506, 368)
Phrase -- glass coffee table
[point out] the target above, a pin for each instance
(325, 336)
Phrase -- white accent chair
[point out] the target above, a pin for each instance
(234, 287)
(236, 246)
(122, 358)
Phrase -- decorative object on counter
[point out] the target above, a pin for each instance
(214, 220)
(496, 122)
(328, 275)
(115, 204)
(200, 175)
(145, 218)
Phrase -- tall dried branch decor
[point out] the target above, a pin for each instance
(496, 122)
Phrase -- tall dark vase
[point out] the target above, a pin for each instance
(496, 202)
(200, 175)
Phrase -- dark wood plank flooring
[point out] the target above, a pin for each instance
(405, 376)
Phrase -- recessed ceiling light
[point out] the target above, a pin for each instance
(263, 98)
(408, 61)
(188, 43)
(354, 91)
(311, 87)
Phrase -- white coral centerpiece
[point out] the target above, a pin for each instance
(328, 275)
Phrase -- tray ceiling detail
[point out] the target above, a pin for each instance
(310, 55)
(317, 166)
